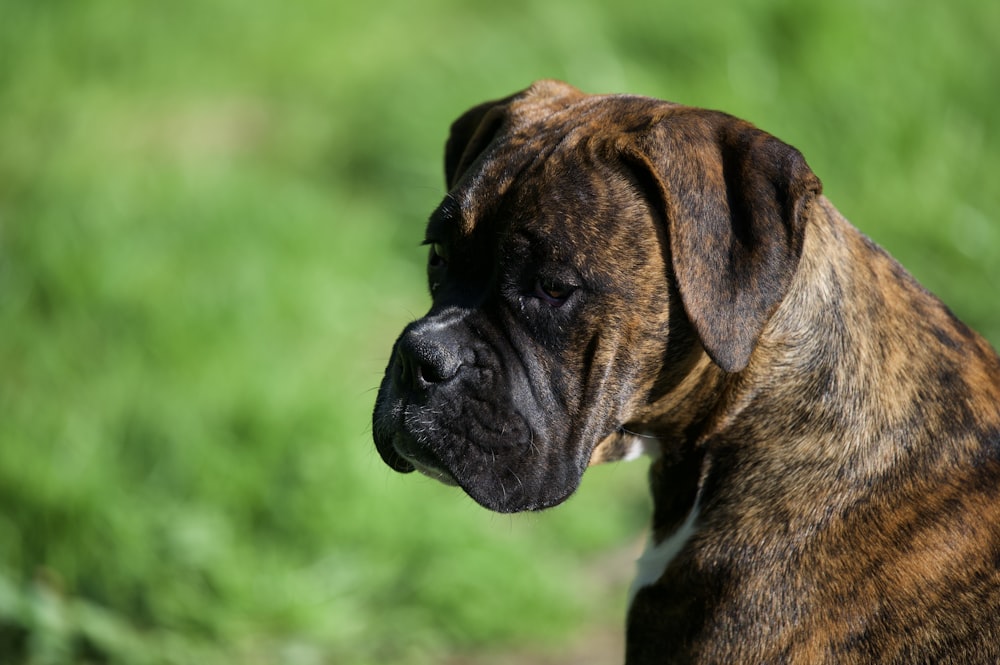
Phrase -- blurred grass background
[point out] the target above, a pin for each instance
(209, 222)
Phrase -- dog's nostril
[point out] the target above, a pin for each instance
(423, 363)
(430, 374)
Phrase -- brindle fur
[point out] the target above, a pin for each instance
(839, 425)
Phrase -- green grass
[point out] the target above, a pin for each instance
(209, 218)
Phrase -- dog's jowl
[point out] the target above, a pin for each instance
(615, 274)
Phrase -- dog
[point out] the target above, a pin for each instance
(614, 276)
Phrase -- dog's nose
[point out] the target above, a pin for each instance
(427, 357)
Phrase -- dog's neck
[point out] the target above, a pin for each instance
(856, 325)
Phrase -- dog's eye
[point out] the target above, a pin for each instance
(552, 292)
(438, 255)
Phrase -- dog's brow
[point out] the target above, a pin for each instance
(446, 214)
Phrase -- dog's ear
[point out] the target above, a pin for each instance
(470, 134)
(735, 200)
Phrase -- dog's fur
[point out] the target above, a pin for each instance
(613, 272)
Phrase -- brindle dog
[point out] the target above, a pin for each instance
(613, 274)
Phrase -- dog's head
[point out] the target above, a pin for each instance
(587, 249)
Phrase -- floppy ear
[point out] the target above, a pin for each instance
(735, 200)
(470, 134)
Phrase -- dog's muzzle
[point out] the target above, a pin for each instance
(426, 358)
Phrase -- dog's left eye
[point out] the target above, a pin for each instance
(552, 292)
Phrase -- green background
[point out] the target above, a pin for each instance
(210, 213)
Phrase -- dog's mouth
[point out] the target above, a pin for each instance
(422, 460)
(500, 460)
(392, 457)
(437, 474)
(404, 455)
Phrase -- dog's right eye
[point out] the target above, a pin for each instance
(551, 292)
(438, 255)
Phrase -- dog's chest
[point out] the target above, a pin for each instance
(657, 556)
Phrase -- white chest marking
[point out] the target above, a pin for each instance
(643, 444)
(656, 557)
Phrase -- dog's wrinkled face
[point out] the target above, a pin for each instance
(528, 356)
(555, 308)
